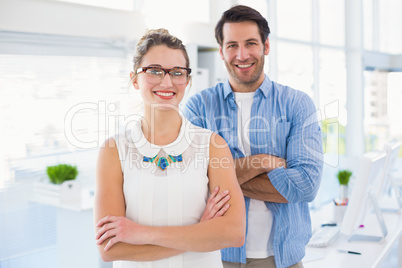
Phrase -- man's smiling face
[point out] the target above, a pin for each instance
(244, 55)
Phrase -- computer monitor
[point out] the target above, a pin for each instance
(369, 168)
(384, 181)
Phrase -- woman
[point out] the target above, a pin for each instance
(153, 181)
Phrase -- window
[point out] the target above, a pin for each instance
(294, 19)
(260, 5)
(50, 87)
(332, 22)
(394, 106)
(390, 26)
(40, 93)
(370, 26)
(295, 66)
(382, 108)
(382, 25)
(332, 77)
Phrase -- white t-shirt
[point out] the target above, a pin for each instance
(259, 242)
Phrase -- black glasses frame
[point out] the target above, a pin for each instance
(166, 71)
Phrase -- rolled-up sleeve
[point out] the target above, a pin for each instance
(299, 182)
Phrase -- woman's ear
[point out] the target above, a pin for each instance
(133, 79)
(189, 82)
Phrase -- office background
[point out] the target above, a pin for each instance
(64, 87)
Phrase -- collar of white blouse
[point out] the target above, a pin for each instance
(175, 148)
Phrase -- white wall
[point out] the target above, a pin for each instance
(54, 17)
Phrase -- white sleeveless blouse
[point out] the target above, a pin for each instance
(175, 196)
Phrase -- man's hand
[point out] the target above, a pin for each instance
(216, 205)
(252, 172)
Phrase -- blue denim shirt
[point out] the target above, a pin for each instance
(284, 124)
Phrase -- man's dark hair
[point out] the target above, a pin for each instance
(242, 13)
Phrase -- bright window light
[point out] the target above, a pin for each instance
(332, 22)
(295, 66)
(294, 19)
(127, 5)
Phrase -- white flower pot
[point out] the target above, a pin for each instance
(66, 194)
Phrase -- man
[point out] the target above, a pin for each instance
(274, 138)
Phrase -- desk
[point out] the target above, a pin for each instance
(372, 253)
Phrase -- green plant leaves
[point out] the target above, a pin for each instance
(61, 173)
(344, 176)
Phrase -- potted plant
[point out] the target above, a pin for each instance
(343, 179)
(61, 173)
(60, 187)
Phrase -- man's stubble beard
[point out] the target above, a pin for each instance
(254, 76)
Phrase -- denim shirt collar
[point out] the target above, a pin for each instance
(265, 88)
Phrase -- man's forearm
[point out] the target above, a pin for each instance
(261, 188)
(248, 168)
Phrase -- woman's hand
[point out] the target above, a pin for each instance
(121, 229)
(216, 205)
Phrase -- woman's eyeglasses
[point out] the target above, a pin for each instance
(154, 75)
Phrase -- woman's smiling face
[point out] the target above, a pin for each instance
(166, 93)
